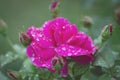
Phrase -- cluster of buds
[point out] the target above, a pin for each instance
(54, 8)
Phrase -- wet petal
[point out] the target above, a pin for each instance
(33, 31)
(43, 64)
(37, 35)
(59, 30)
(30, 52)
(83, 41)
(68, 50)
(43, 56)
(43, 53)
(69, 32)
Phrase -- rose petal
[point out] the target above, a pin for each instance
(83, 41)
(59, 30)
(33, 31)
(62, 35)
(69, 32)
(43, 53)
(46, 64)
(30, 52)
(38, 36)
(68, 50)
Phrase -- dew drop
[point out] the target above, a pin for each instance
(64, 49)
(33, 35)
(37, 39)
(33, 59)
(40, 35)
(63, 27)
(69, 54)
(75, 53)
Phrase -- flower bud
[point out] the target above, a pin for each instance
(24, 38)
(14, 75)
(87, 21)
(54, 8)
(54, 4)
(106, 31)
(3, 27)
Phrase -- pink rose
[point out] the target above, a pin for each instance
(56, 40)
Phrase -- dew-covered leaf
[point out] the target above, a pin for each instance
(7, 58)
(27, 69)
(106, 58)
(11, 56)
(88, 76)
(79, 69)
(105, 77)
(20, 50)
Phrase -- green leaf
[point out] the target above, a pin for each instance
(116, 71)
(27, 69)
(7, 58)
(105, 77)
(79, 69)
(10, 56)
(19, 48)
(88, 76)
(106, 58)
(97, 70)
(70, 71)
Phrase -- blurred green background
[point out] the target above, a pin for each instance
(20, 14)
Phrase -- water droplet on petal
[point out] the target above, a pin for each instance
(33, 55)
(69, 54)
(63, 48)
(33, 59)
(37, 39)
(63, 27)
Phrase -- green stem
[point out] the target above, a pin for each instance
(11, 44)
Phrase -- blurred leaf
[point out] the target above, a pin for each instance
(3, 77)
(105, 77)
(31, 72)
(36, 77)
(106, 58)
(20, 50)
(27, 69)
(7, 58)
(79, 69)
(10, 56)
(97, 70)
(88, 76)
(116, 71)
(70, 71)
